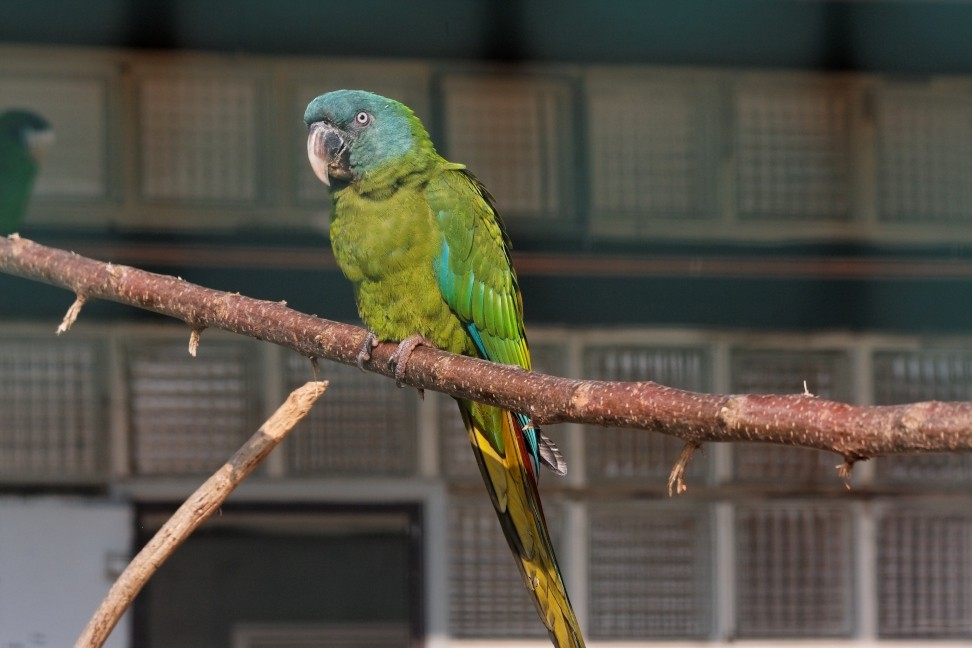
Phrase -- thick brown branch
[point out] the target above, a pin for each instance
(799, 419)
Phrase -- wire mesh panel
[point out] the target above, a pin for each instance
(200, 137)
(612, 453)
(653, 151)
(827, 375)
(51, 409)
(924, 156)
(911, 376)
(925, 574)
(487, 596)
(793, 566)
(457, 457)
(367, 428)
(792, 151)
(515, 135)
(455, 453)
(76, 107)
(188, 415)
(649, 572)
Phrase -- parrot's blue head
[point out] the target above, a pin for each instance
(353, 134)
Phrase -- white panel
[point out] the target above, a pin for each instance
(793, 570)
(365, 426)
(653, 151)
(924, 155)
(792, 150)
(200, 137)
(650, 572)
(925, 573)
(57, 561)
(51, 408)
(514, 135)
(76, 165)
(188, 415)
(766, 371)
(931, 374)
(458, 461)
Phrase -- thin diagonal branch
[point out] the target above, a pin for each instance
(855, 432)
(205, 501)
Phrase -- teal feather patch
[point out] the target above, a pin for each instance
(529, 429)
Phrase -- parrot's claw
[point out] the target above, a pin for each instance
(364, 353)
(404, 351)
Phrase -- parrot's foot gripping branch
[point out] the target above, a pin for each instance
(364, 353)
(404, 351)
(399, 358)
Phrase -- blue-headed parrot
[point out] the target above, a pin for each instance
(421, 241)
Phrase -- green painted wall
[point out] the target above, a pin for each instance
(917, 36)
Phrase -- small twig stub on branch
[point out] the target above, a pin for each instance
(71, 316)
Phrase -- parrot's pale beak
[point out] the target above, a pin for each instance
(38, 141)
(328, 152)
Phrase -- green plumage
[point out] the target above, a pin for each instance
(19, 152)
(423, 245)
(390, 261)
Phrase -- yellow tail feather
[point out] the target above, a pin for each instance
(512, 487)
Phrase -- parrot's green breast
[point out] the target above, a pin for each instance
(387, 249)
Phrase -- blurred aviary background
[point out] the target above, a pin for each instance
(719, 195)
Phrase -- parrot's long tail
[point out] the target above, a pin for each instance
(508, 471)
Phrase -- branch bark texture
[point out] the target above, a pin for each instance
(856, 432)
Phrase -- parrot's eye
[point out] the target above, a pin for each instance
(362, 118)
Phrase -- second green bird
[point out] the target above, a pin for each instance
(426, 251)
(24, 136)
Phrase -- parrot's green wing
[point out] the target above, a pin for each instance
(473, 268)
(475, 275)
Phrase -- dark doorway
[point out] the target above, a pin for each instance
(299, 576)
